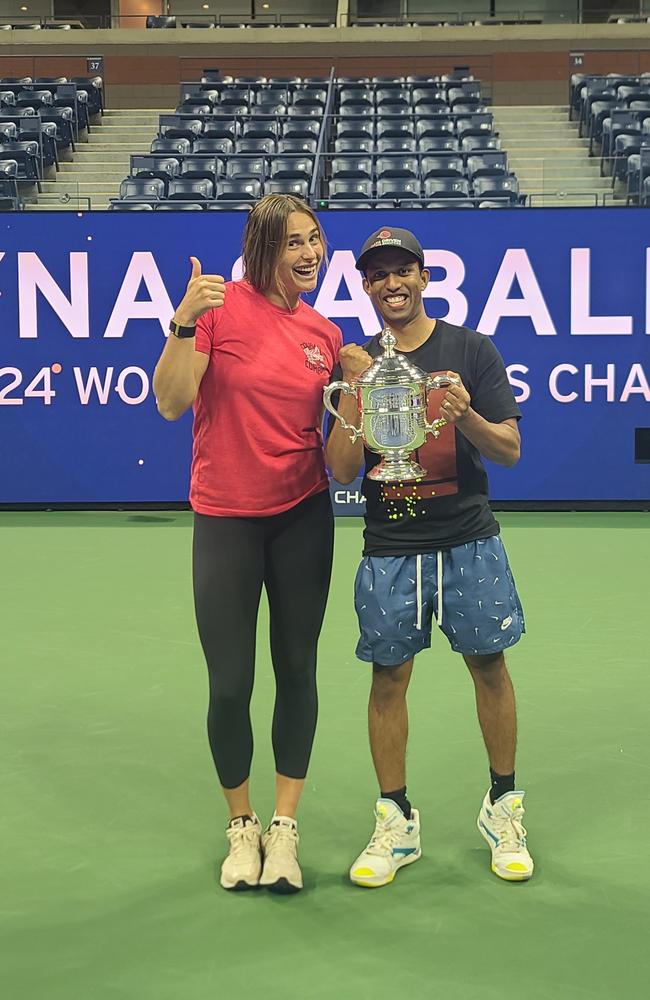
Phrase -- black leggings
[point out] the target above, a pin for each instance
(291, 555)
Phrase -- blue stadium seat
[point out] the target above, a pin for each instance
(130, 206)
(355, 146)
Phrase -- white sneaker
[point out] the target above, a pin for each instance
(395, 843)
(243, 865)
(281, 872)
(501, 825)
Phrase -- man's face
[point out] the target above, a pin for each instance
(395, 283)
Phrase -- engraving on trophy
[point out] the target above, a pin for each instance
(391, 399)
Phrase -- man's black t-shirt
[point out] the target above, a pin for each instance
(450, 505)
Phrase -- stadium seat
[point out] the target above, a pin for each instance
(489, 162)
(399, 188)
(306, 146)
(446, 187)
(239, 189)
(352, 166)
(349, 189)
(190, 189)
(223, 147)
(291, 167)
(229, 206)
(442, 166)
(397, 166)
(247, 166)
(438, 144)
(142, 189)
(396, 144)
(181, 146)
(473, 142)
(179, 206)
(267, 146)
(286, 185)
(202, 168)
(497, 187)
(130, 206)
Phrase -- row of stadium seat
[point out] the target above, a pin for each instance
(389, 189)
(614, 111)
(330, 157)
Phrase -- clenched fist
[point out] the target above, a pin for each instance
(204, 292)
(456, 401)
(354, 361)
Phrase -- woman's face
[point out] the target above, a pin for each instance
(298, 265)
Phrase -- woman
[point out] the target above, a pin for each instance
(253, 359)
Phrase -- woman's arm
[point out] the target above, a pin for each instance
(342, 456)
(181, 367)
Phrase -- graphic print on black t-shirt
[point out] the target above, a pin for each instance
(451, 504)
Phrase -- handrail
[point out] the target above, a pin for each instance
(321, 136)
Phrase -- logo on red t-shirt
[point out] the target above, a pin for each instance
(314, 359)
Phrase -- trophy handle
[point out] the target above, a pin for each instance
(349, 391)
(438, 382)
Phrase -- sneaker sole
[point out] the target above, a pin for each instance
(511, 876)
(282, 887)
(239, 886)
(374, 884)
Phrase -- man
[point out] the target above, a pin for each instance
(432, 548)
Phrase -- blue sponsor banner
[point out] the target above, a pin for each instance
(85, 301)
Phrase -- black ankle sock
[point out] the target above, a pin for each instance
(399, 798)
(500, 785)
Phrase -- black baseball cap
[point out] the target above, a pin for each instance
(400, 239)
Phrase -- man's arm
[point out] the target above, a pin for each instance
(499, 442)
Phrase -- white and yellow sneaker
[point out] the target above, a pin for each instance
(281, 872)
(502, 826)
(395, 843)
(242, 866)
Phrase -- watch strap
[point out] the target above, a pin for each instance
(182, 332)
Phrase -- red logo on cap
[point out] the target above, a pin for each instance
(384, 234)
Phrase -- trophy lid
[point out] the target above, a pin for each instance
(390, 368)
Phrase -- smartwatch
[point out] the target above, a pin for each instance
(181, 332)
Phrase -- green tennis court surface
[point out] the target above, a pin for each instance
(112, 820)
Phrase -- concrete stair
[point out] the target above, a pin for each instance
(551, 162)
(93, 176)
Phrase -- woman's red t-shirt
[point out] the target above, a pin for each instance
(257, 440)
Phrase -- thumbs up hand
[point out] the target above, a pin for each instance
(204, 292)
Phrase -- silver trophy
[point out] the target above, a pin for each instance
(392, 402)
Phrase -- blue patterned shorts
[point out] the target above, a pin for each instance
(397, 597)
